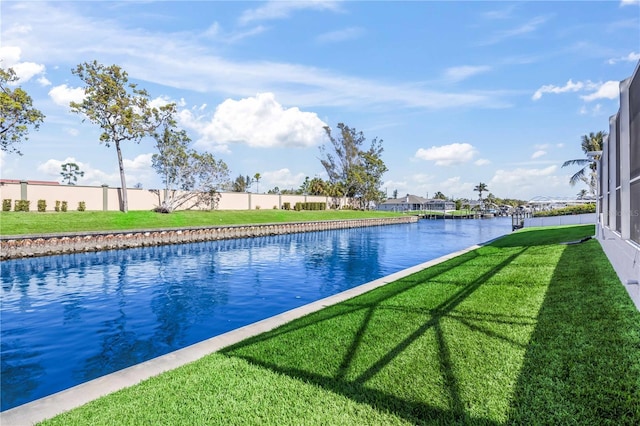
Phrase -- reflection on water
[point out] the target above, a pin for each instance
(69, 319)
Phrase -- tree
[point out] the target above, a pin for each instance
(368, 175)
(352, 171)
(439, 196)
(317, 186)
(395, 194)
(256, 179)
(480, 188)
(241, 184)
(17, 113)
(70, 173)
(592, 142)
(189, 176)
(119, 108)
(582, 194)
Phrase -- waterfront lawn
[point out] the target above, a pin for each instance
(522, 331)
(23, 223)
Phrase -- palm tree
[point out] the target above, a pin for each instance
(587, 174)
(481, 187)
(582, 194)
(439, 196)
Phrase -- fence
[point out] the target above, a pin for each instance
(109, 199)
(619, 188)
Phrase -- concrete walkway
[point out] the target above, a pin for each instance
(50, 406)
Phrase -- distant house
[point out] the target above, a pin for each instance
(411, 203)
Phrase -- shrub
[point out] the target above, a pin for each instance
(286, 206)
(162, 209)
(257, 207)
(57, 207)
(82, 206)
(6, 205)
(63, 207)
(42, 205)
(275, 207)
(22, 205)
(582, 209)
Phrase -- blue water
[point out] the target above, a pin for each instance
(72, 318)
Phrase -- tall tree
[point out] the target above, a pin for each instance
(119, 108)
(480, 188)
(588, 173)
(241, 183)
(256, 179)
(17, 113)
(395, 194)
(189, 176)
(352, 171)
(368, 175)
(70, 172)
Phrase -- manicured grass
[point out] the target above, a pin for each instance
(21, 223)
(523, 331)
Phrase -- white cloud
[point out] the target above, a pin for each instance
(283, 179)
(198, 67)
(284, 9)
(141, 163)
(538, 154)
(340, 35)
(629, 2)
(25, 71)
(63, 95)
(482, 162)
(608, 90)
(528, 183)
(550, 88)
(631, 57)
(447, 155)
(463, 72)
(259, 122)
(10, 55)
(136, 170)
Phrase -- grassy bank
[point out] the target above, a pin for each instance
(522, 331)
(21, 223)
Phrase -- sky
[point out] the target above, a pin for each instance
(459, 92)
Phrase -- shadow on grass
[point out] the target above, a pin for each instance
(531, 237)
(286, 349)
(582, 364)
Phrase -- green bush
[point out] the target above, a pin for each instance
(63, 207)
(57, 207)
(310, 206)
(42, 205)
(6, 205)
(257, 207)
(21, 205)
(82, 206)
(582, 209)
(286, 206)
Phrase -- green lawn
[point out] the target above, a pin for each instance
(523, 331)
(21, 223)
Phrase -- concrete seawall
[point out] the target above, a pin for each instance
(14, 247)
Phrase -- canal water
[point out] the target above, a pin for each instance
(72, 318)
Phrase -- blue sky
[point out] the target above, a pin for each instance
(459, 92)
